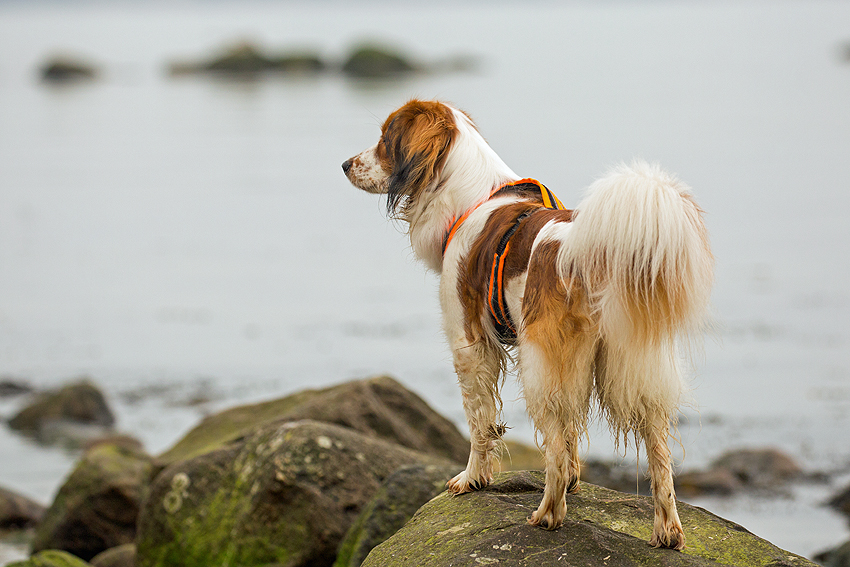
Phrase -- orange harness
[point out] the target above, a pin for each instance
(496, 302)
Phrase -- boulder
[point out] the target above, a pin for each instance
(121, 556)
(378, 407)
(76, 410)
(714, 482)
(602, 527)
(371, 61)
(399, 497)
(285, 494)
(759, 468)
(97, 506)
(18, 512)
(51, 558)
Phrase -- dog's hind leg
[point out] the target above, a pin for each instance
(667, 528)
(556, 354)
(478, 368)
(639, 387)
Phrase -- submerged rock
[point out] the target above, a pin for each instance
(18, 512)
(65, 69)
(51, 558)
(248, 60)
(97, 507)
(393, 505)
(371, 61)
(285, 494)
(10, 387)
(76, 411)
(378, 407)
(603, 527)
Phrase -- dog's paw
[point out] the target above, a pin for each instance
(545, 520)
(464, 483)
(671, 537)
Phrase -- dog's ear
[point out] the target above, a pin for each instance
(418, 142)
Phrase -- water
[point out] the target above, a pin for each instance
(173, 237)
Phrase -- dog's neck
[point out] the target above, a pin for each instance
(471, 172)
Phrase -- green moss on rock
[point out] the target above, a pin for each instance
(284, 495)
(51, 558)
(602, 527)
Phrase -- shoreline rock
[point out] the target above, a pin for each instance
(98, 505)
(603, 527)
(285, 494)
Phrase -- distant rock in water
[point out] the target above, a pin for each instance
(65, 69)
(246, 60)
(77, 412)
(602, 527)
(372, 61)
(18, 512)
(10, 387)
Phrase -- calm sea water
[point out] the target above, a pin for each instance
(177, 239)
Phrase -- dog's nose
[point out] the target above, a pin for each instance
(346, 165)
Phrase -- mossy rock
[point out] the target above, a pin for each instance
(379, 407)
(284, 495)
(393, 505)
(98, 505)
(51, 558)
(370, 61)
(602, 527)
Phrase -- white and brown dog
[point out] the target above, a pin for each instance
(592, 300)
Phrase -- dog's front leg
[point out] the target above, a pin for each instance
(478, 367)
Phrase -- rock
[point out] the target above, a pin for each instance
(121, 556)
(841, 501)
(393, 505)
(51, 558)
(285, 494)
(838, 557)
(65, 70)
(603, 527)
(18, 512)
(371, 61)
(97, 506)
(247, 60)
(379, 407)
(10, 387)
(74, 411)
(759, 468)
(715, 482)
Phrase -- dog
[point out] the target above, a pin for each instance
(590, 304)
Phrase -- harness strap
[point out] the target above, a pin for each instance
(496, 301)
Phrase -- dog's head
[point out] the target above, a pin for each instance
(409, 158)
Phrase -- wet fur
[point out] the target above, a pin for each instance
(601, 296)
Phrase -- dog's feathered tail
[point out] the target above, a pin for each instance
(639, 245)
